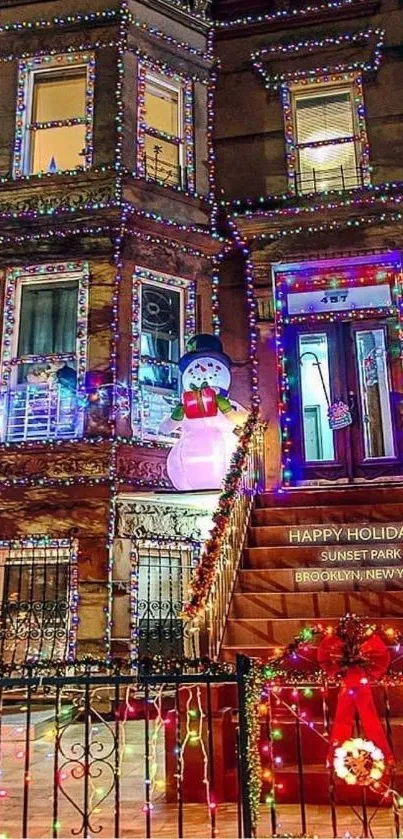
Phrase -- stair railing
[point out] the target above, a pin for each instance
(216, 572)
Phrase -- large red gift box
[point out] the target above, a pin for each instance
(200, 403)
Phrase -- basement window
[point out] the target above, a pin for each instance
(37, 596)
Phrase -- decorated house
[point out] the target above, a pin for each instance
(201, 447)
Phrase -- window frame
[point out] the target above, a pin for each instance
(39, 275)
(183, 87)
(155, 555)
(312, 87)
(187, 328)
(12, 553)
(32, 68)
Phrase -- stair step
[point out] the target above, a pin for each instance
(348, 578)
(266, 633)
(315, 605)
(324, 514)
(332, 496)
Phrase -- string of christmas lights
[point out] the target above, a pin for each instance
(313, 45)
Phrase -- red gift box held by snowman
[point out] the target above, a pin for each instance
(205, 417)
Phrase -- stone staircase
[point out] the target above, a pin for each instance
(312, 556)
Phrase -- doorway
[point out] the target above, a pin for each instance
(345, 391)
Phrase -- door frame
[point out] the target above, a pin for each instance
(317, 275)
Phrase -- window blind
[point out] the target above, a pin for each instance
(325, 117)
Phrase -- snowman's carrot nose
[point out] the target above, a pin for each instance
(203, 369)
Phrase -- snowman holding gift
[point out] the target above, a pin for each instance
(205, 417)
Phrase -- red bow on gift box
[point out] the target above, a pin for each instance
(358, 662)
(200, 403)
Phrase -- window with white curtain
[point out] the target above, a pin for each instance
(43, 359)
(326, 139)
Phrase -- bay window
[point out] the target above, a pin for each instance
(54, 114)
(327, 146)
(44, 353)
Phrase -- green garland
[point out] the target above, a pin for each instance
(205, 571)
(253, 690)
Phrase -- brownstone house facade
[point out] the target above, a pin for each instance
(233, 170)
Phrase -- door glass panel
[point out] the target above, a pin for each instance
(315, 392)
(374, 393)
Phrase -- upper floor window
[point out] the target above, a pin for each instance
(54, 114)
(44, 353)
(163, 318)
(326, 138)
(38, 581)
(165, 129)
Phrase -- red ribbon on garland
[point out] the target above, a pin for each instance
(355, 695)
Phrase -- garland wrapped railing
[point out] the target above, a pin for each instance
(214, 576)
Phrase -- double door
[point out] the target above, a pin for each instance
(345, 400)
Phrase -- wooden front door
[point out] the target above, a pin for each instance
(356, 363)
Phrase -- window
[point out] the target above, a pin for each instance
(164, 575)
(327, 147)
(165, 129)
(37, 595)
(44, 353)
(54, 114)
(159, 317)
(150, 585)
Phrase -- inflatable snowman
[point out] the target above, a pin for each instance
(205, 417)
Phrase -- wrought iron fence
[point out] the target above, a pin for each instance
(125, 752)
(315, 180)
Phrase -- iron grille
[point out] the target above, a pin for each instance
(35, 589)
(324, 180)
(163, 573)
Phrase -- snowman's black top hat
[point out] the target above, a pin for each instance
(203, 346)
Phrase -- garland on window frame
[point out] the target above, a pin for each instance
(81, 270)
(46, 542)
(189, 289)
